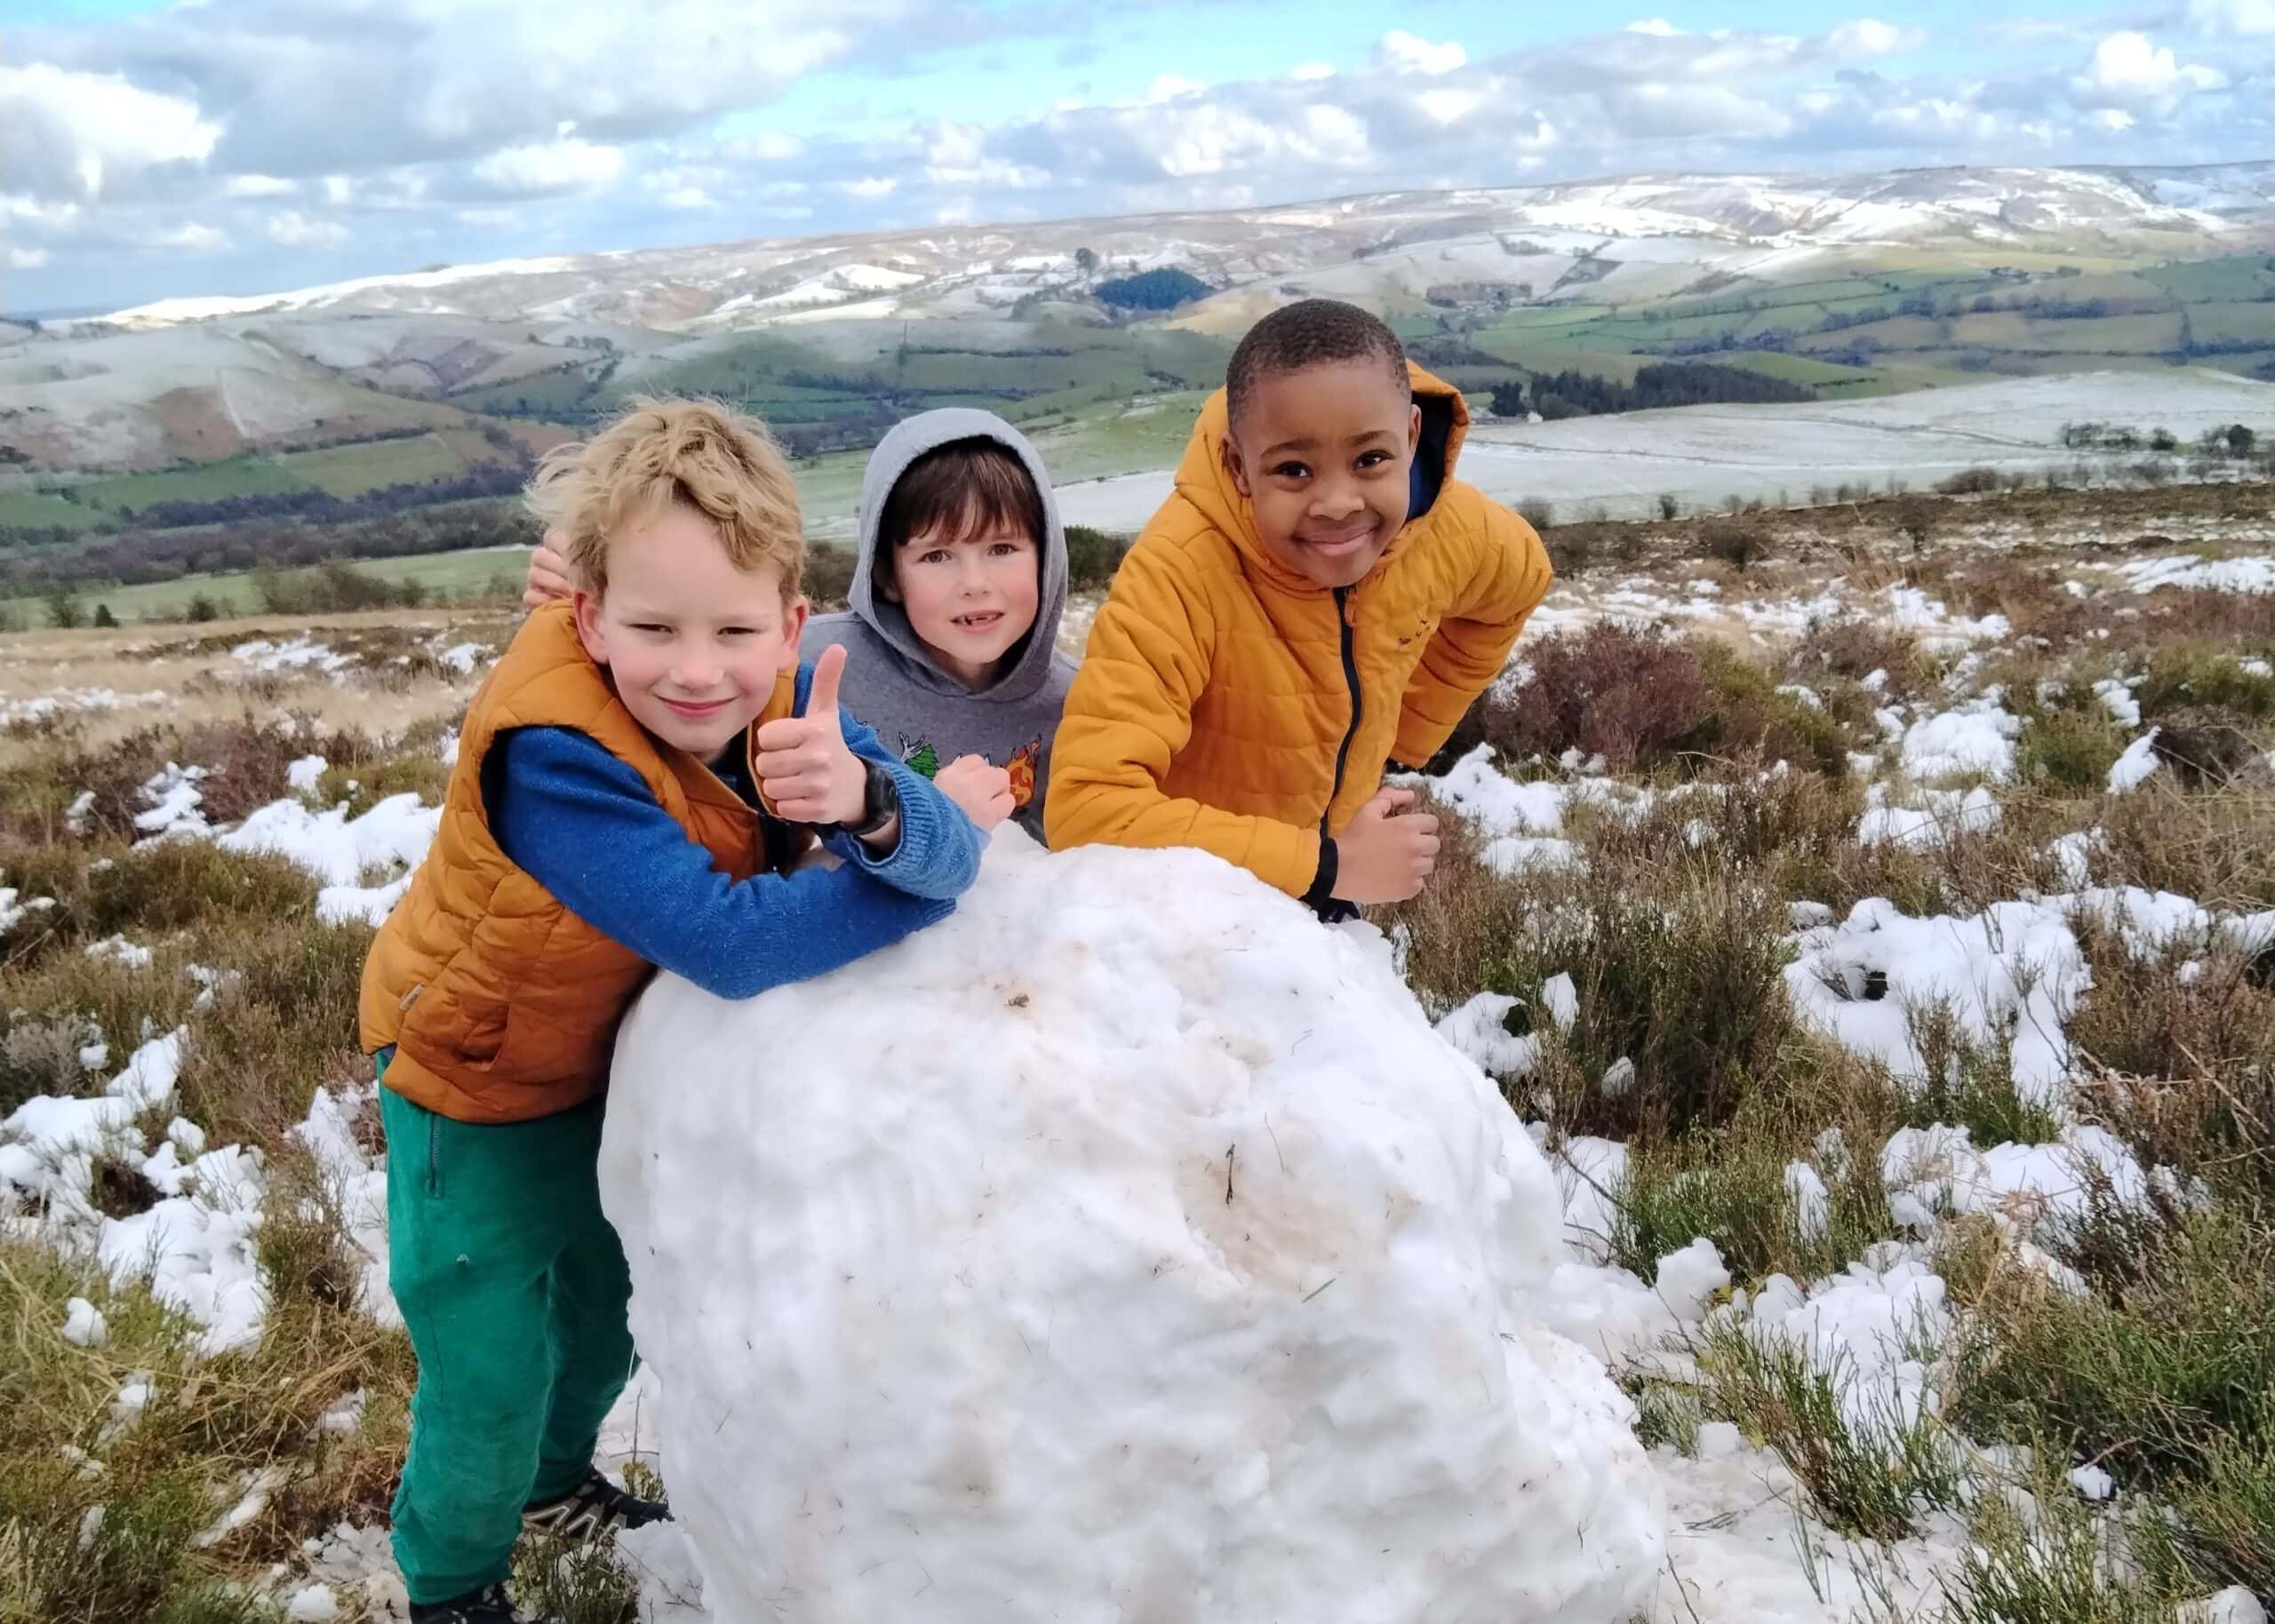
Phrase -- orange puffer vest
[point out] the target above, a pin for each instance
(501, 1003)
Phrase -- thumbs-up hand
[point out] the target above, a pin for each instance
(804, 769)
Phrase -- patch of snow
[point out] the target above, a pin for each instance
(1978, 737)
(84, 1325)
(1927, 819)
(1495, 804)
(2118, 700)
(334, 848)
(14, 914)
(1476, 1030)
(311, 1605)
(2137, 766)
(2036, 1192)
(357, 1185)
(304, 774)
(2072, 855)
(174, 799)
(2234, 1605)
(2011, 976)
(254, 1491)
(1511, 855)
(118, 950)
(2092, 1482)
(1866, 1328)
(1812, 1202)
(298, 653)
(2250, 574)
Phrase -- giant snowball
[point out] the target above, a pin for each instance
(1126, 1248)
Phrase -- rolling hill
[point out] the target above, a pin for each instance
(368, 397)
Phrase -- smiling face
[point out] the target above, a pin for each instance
(694, 643)
(1324, 454)
(969, 599)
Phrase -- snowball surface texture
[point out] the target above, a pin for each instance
(1126, 1247)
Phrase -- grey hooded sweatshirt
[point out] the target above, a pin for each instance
(921, 713)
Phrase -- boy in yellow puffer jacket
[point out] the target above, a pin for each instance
(1320, 596)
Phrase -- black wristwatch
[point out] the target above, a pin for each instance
(880, 802)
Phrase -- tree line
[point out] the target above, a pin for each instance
(1672, 382)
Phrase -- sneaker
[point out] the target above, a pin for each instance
(487, 1605)
(594, 1507)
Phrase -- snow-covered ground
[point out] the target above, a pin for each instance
(1209, 1178)
(1701, 455)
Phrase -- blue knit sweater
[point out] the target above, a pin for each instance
(584, 824)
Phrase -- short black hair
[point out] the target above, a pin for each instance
(1308, 333)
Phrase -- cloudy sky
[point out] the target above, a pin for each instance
(243, 145)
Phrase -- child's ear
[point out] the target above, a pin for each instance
(1228, 450)
(589, 631)
(794, 628)
(1413, 429)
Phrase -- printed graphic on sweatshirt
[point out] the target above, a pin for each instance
(919, 755)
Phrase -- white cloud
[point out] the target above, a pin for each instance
(2115, 120)
(2221, 17)
(2128, 66)
(258, 186)
(338, 190)
(1168, 87)
(685, 197)
(1695, 109)
(1449, 106)
(1658, 26)
(1404, 52)
(66, 134)
(26, 259)
(297, 230)
(1868, 37)
(488, 219)
(190, 238)
(763, 146)
(543, 168)
(869, 186)
(1308, 73)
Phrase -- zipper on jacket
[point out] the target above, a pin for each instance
(1357, 704)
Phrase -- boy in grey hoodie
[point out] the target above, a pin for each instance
(951, 636)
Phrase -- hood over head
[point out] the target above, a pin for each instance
(928, 431)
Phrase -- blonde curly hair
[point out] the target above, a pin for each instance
(720, 462)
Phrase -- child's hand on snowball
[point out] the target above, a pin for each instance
(804, 766)
(1388, 852)
(981, 788)
(549, 580)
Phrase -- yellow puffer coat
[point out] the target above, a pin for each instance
(501, 1003)
(1225, 703)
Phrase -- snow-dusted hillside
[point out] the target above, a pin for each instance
(1659, 232)
(1701, 455)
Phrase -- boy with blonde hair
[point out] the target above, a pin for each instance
(636, 781)
(1319, 596)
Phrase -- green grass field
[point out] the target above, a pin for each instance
(444, 575)
(206, 483)
(351, 470)
(36, 509)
